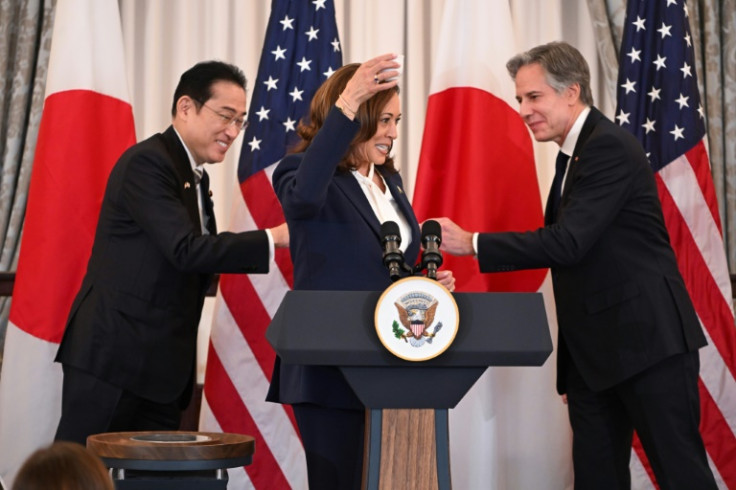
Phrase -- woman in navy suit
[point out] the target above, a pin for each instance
(336, 189)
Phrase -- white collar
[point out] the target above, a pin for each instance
(568, 146)
(189, 154)
(369, 177)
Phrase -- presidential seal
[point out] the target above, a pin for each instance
(416, 318)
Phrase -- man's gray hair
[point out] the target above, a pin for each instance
(563, 64)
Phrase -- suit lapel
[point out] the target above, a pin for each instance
(590, 123)
(351, 188)
(588, 126)
(348, 184)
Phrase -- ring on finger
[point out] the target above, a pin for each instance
(375, 78)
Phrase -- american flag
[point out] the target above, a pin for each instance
(658, 101)
(301, 50)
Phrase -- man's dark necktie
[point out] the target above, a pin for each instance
(556, 191)
(202, 180)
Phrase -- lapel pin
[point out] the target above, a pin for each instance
(187, 185)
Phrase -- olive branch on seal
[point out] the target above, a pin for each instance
(398, 331)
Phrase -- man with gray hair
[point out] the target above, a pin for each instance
(627, 354)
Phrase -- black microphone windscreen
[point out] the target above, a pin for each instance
(431, 227)
(389, 228)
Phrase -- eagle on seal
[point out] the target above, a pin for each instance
(417, 321)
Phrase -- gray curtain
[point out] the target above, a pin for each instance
(713, 25)
(25, 42)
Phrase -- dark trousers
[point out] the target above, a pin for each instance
(92, 406)
(333, 444)
(662, 405)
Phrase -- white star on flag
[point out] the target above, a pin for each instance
(312, 33)
(629, 86)
(660, 62)
(263, 113)
(279, 54)
(623, 118)
(271, 83)
(255, 144)
(296, 94)
(654, 94)
(289, 124)
(634, 54)
(287, 23)
(639, 23)
(304, 64)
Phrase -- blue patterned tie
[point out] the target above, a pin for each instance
(556, 191)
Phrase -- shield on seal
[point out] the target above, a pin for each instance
(416, 311)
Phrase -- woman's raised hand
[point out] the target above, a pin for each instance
(370, 79)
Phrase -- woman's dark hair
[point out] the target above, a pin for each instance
(368, 115)
(63, 466)
(197, 81)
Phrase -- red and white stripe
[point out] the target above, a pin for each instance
(691, 215)
(240, 360)
(87, 123)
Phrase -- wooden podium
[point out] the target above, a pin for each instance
(181, 460)
(407, 438)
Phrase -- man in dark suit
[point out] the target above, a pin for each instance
(628, 334)
(128, 351)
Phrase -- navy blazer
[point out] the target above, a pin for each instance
(622, 305)
(335, 245)
(134, 321)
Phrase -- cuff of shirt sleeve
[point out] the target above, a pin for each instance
(271, 247)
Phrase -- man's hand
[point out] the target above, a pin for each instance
(446, 279)
(455, 240)
(280, 235)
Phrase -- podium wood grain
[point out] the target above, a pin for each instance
(219, 446)
(408, 450)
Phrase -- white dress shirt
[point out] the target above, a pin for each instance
(383, 204)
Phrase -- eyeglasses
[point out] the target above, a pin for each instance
(228, 121)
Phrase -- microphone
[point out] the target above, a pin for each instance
(392, 256)
(431, 240)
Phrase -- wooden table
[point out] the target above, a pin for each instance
(172, 459)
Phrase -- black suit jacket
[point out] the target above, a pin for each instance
(134, 321)
(622, 305)
(335, 241)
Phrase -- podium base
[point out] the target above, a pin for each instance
(407, 449)
(170, 480)
(176, 460)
